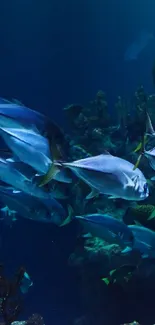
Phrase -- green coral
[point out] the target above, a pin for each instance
(142, 212)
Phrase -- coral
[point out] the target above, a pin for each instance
(139, 213)
(35, 319)
(92, 260)
(73, 111)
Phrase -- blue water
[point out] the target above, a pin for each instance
(53, 53)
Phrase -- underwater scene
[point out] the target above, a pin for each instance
(77, 162)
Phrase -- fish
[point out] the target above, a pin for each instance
(134, 49)
(107, 174)
(31, 148)
(8, 216)
(20, 177)
(108, 228)
(144, 240)
(120, 275)
(29, 207)
(16, 115)
(26, 283)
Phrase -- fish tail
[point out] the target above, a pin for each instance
(55, 166)
(106, 281)
(69, 217)
(140, 147)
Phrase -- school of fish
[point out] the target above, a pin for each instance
(30, 162)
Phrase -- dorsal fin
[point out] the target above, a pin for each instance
(106, 152)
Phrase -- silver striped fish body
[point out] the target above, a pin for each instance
(112, 176)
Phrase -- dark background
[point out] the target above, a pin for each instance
(53, 53)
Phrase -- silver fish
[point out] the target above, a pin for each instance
(32, 149)
(144, 240)
(20, 177)
(110, 175)
(28, 207)
(29, 146)
(108, 228)
(26, 283)
(16, 115)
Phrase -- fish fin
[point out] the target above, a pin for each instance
(16, 101)
(10, 159)
(144, 255)
(112, 197)
(137, 162)
(112, 272)
(137, 223)
(126, 250)
(87, 236)
(153, 178)
(92, 194)
(106, 281)
(150, 183)
(106, 152)
(130, 182)
(16, 191)
(4, 209)
(112, 234)
(45, 179)
(152, 215)
(142, 150)
(69, 218)
(100, 211)
(138, 148)
(141, 145)
(53, 170)
(149, 126)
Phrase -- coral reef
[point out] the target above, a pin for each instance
(35, 319)
(142, 214)
(94, 130)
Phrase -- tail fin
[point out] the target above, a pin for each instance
(69, 218)
(54, 169)
(142, 149)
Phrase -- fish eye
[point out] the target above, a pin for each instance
(145, 188)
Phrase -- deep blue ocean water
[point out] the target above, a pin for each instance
(54, 53)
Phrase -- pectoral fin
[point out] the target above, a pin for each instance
(126, 250)
(129, 182)
(112, 197)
